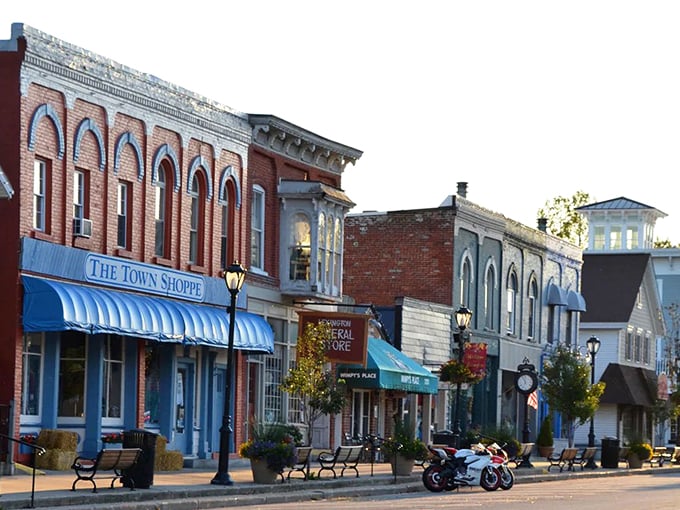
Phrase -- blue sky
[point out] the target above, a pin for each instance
(524, 100)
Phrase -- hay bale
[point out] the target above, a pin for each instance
(161, 444)
(169, 460)
(58, 440)
(55, 460)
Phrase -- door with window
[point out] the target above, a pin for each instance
(361, 414)
(184, 406)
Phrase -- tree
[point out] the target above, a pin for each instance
(320, 392)
(563, 221)
(567, 389)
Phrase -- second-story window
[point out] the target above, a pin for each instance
(300, 247)
(197, 220)
(466, 283)
(337, 255)
(321, 251)
(225, 232)
(533, 309)
(79, 195)
(511, 292)
(489, 294)
(599, 238)
(162, 212)
(40, 195)
(257, 229)
(123, 211)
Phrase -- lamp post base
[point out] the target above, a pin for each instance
(222, 479)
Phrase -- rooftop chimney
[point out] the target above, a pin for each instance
(543, 224)
(462, 189)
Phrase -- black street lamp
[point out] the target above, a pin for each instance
(463, 316)
(593, 346)
(234, 276)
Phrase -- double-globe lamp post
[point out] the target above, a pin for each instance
(463, 316)
(234, 276)
(593, 344)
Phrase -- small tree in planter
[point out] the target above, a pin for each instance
(544, 441)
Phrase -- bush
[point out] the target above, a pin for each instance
(545, 435)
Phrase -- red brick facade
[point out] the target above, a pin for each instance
(402, 253)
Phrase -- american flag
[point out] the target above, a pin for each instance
(533, 400)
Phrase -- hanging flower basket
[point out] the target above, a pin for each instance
(456, 372)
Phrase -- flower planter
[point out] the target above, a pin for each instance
(261, 472)
(401, 466)
(634, 462)
(545, 451)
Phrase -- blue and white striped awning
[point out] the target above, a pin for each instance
(51, 305)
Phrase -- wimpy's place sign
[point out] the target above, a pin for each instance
(349, 334)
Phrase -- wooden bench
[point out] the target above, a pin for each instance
(624, 451)
(584, 456)
(659, 455)
(106, 460)
(304, 456)
(564, 459)
(522, 454)
(347, 456)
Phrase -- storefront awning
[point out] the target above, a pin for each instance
(51, 305)
(628, 385)
(390, 369)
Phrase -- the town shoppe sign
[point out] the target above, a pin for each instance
(349, 334)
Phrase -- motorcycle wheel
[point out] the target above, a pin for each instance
(433, 478)
(490, 479)
(507, 478)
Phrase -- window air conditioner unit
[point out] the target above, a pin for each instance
(82, 227)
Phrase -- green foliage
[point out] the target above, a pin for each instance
(545, 435)
(317, 387)
(563, 221)
(455, 371)
(566, 387)
(638, 447)
(403, 441)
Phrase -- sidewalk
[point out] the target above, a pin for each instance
(182, 490)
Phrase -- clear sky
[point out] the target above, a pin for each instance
(524, 100)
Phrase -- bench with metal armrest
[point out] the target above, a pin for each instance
(115, 460)
(345, 456)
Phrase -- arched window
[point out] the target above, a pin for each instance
(197, 223)
(532, 309)
(163, 210)
(321, 253)
(511, 293)
(489, 297)
(227, 228)
(300, 246)
(466, 283)
(337, 257)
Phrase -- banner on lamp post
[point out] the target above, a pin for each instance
(349, 334)
(474, 357)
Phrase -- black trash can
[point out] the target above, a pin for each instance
(140, 476)
(444, 437)
(610, 452)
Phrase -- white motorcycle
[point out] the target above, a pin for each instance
(450, 469)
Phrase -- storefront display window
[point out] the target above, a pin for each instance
(32, 363)
(153, 384)
(72, 375)
(113, 378)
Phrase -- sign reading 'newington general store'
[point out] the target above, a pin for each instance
(349, 334)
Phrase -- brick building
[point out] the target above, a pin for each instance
(522, 284)
(129, 202)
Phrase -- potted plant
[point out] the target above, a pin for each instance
(544, 441)
(270, 449)
(638, 452)
(404, 449)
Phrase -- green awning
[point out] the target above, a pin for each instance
(390, 369)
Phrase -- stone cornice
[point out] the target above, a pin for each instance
(291, 141)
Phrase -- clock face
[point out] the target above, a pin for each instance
(526, 382)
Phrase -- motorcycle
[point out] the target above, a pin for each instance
(499, 458)
(451, 469)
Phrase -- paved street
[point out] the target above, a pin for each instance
(657, 492)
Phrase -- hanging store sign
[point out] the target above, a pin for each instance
(474, 358)
(349, 334)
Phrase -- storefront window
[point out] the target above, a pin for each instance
(112, 396)
(72, 375)
(153, 384)
(32, 361)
